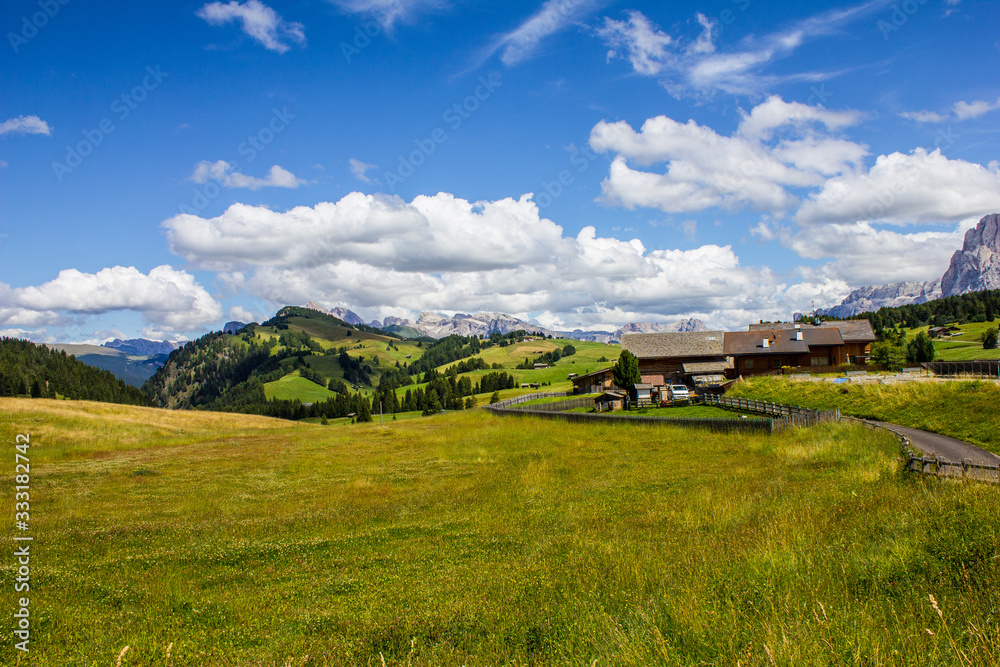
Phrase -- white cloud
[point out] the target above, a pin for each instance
(960, 111)
(360, 169)
(241, 314)
(705, 169)
(920, 187)
(776, 113)
(554, 15)
(444, 253)
(25, 125)
(865, 255)
(389, 12)
(222, 172)
(257, 20)
(638, 40)
(698, 67)
(924, 116)
(967, 110)
(167, 298)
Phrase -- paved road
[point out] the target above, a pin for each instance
(947, 448)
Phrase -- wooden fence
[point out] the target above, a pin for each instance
(786, 415)
(779, 417)
(558, 410)
(917, 461)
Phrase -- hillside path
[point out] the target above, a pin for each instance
(952, 449)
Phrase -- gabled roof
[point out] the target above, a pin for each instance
(780, 341)
(820, 336)
(720, 366)
(852, 331)
(682, 344)
(591, 374)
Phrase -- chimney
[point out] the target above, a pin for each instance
(765, 343)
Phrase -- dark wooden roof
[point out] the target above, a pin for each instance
(719, 366)
(780, 341)
(673, 345)
(851, 331)
(591, 374)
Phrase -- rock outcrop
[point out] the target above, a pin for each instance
(976, 266)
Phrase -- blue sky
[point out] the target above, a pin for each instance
(168, 166)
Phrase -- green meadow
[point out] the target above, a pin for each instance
(963, 409)
(474, 539)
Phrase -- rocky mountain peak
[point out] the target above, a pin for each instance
(976, 266)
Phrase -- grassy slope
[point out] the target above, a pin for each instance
(961, 347)
(292, 386)
(478, 540)
(964, 410)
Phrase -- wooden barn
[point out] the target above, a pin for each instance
(676, 358)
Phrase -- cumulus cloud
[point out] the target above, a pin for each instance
(865, 255)
(166, 297)
(241, 314)
(443, 253)
(360, 169)
(222, 172)
(753, 167)
(919, 187)
(257, 20)
(25, 125)
(966, 110)
(699, 67)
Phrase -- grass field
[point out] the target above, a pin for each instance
(293, 386)
(966, 410)
(471, 539)
(961, 346)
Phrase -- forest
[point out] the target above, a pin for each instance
(33, 370)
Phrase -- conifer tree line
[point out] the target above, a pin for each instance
(972, 307)
(37, 371)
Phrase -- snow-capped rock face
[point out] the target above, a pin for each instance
(976, 266)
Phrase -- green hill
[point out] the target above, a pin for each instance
(302, 356)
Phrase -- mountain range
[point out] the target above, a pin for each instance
(974, 268)
(435, 325)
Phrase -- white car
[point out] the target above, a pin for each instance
(678, 392)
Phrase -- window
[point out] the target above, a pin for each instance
(748, 364)
(819, 361)
(776, 363)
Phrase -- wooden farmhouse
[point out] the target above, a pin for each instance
(677, 358)
(593, 383)
(857, 337)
